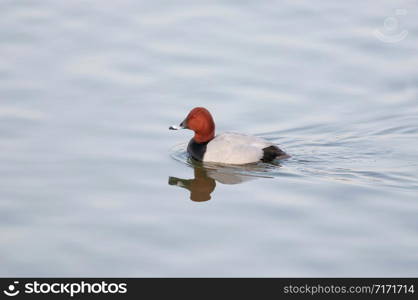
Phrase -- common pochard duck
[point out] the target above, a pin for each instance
(225, 148)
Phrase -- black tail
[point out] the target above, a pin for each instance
(271, 153)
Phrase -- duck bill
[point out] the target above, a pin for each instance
(183, 125)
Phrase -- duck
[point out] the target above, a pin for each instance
(226, 148)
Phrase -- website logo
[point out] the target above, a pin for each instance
(392, 32)
(11, 290)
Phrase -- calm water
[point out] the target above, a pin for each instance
(94, 184)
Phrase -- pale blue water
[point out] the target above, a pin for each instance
(88, 90)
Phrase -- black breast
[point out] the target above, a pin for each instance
(197, 150)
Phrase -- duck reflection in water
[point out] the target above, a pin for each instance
(204, 181)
